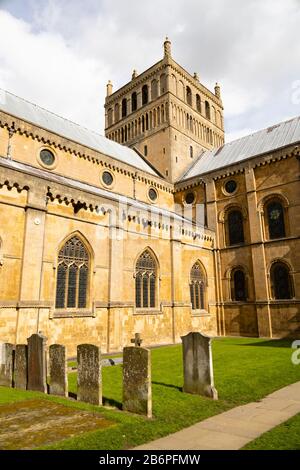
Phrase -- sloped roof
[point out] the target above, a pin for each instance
(266, 140)
(20, 108)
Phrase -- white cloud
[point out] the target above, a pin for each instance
(61, 54)
(238, 134)
(42, 68)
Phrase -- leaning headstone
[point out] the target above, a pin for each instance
(37, 371)
(89, 380)
(197, 365)
(137, 395)
(58, 370)
(21, 366)
(6, 364)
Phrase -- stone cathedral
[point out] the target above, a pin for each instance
(160, 227)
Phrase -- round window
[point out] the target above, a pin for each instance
(107, 178)
(152, 194)
(230, 186)
(47, 157)
(189, 198)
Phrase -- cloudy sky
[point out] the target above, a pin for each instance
(61, 53)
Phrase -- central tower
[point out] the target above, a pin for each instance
(167, 115)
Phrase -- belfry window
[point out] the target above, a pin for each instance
(197, 287)
(281, 282)
(110, 117)
(275, 215)
(235, 227)
(207, 110)
(238, 285)
(188, 96)
(154, 89)
(133, 101)
(72, 275)
(198, 103)
(124, 107)
(145, 94)
(145, 281)
(117, 112)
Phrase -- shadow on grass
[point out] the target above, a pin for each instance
(105, 400)
(167, 385)
(272, 343)
(111, 402)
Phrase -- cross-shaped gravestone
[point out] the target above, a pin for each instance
(137, 340)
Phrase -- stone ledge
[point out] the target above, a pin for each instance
(74, 314)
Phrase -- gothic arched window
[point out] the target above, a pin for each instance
(72, 275)
(238, 285)
(145, 94)
(281, 284)
(235, 227)
(197, 287)
(145, 281)
(275, 217)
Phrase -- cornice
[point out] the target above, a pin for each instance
(140, 79)
(10, 183)
(168, 62)
(184, 185)
(187, 76)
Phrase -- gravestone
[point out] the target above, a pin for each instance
(58, 370)
(89, 379)
(6, 364)
(197, 365)
(137, 340)
(21, 366)
(37, 370)
(137, 394)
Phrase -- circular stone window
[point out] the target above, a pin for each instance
(230, 186)
(107, 178)
(47, 157)
(152, 194)
(189, 198)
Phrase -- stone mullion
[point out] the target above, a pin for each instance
(149, 303)
(77, 286)
(66, 287)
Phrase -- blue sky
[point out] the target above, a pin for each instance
(61, 53)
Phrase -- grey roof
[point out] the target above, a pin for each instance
(266, 140)
(20, 108)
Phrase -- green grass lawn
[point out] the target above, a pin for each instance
(73, 363)
(286, 436)
(245, 370)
